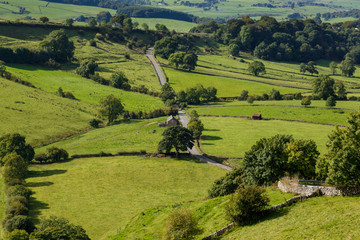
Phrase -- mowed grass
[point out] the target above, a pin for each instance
(210, 213)
(227, 87)
(86, 90)
(232, 137)
(315, 218)
(317, 115)
(132, 136)
(103, 194)
(38, 115)
(178, 26)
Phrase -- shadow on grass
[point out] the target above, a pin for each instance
(210, 138)
(36, 207)
(212, 130)
(39, 184)
(45, 173)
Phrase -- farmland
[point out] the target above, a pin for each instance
(115, 189)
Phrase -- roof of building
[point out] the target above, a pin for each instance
(170, 118)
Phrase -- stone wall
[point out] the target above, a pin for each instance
(327, 191)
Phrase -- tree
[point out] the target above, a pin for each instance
(331, 101)
(44, 19)
(323, 87)
(110, 108)
(306, 101)
(347, 67)
(58, 46)
(234, 49)
(302, 68)
(190, 62)
(10, 143)
(92, 22)
(256, 68)
(20, 222)
(167, 93)
(161, 28)
(302, 158)
(266, 161)
(333, 67)
(69, 22)
(17, 235)
(340, 90)
(54, 228)
(176, 59)
(15, 167)
(145, 27)
(246, 204)
(196, 127)
(275, 95)
(176, 137)
(244, 95)
(86, 68)
(103, 16)
(250, 99)
(344, 153)
(227, 184)
(181, 224)
(310, 67)
(119, 80)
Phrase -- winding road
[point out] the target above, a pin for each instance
(183, 117)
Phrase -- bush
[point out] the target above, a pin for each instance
(246, 205)
(15, 208)
(94, 123)
(17, 234)
(87, 68)
(227, 184)
(69, 95)
(19, 222)
(18, 190)
(92, 43)
(55, 154)
(51, 63)
(181, 224)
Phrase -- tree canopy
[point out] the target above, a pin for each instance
(110, 108)
(256, 68)
(58, 45)
(10, 143)
(176, 137)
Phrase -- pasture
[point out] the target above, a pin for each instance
(40, 116)
(211, 215)
(315, 218)
(86, 90)
(103, 194)
(232, 137)
(132, 136)
(178, 26)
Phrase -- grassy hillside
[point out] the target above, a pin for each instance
(316, 218)
(211, 215)
(232, 137)
(38, 115)
(103, 194)
(86, 90)
(178, 26)
(135, 135)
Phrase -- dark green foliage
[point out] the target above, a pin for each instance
(15, 143)
(55, 228)
(94, 123)
(189, 62)
(322, 169)
(275, 95)
(331, 101)
(167, 92)
(54, 154)
(244, 95)
(176, 137)
(176, 59)
(69, 22)
(19, 222)
(344, 153)
(347, 67)
(196, 126)
(92, 22)
(234, 49)
(250, 99)
(227, 184)
(51, 63)
(16, 208)
(256, 68)
(58, 46)
(15, 167)
(197, 94)
(306, 101)
(181, 224)
(161, 28)
(44, 19)
(110, 108)
(333, 66)
(18, 190)
(265, 163)
(86, 68)
(340, 90)
(103, 16)
(246, 205)
(168, 45)
(119, 80)
(17, 235)
(92, 43)
(323, 87)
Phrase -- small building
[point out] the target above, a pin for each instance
(171, 121)
(256, 116)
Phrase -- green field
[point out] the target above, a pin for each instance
(86, 90)
(38, 115)
(103, 194)
(178, 26)
(232, 137)
(54, 11)
(315, 218)
(299, 113)
(211, 215)
(132, 136)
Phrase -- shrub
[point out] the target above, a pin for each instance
(181, 224)
(92, 43)
(55, 154)
(15, 167)
(87, 68)
(19, 222)
(51, 63)
(69, 95)
(227, 184)
(17, 234)
(100, 36)
(15, 143)
(16, 208)
(94, 123)
(17, 199)
(246, 205)
(18, 190)
(127, 56)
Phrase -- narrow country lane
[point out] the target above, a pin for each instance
(150, 56)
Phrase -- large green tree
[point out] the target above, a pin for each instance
(111, 108)
(256, 68)
(190, 62)
(119, 80)
(347, 67)
(58, 45)
(176, 59)
(10, 143)
(323, 87)
(176, 137)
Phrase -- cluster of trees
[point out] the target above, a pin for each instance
(195, 125)
(325, 87)
(309, 67)
(51, 155)
(256, 67)
(150, 114)
(176, 137)
(292, 40)
(184, 61)
(176, 43)
(273, 95)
